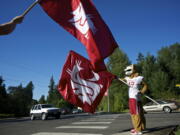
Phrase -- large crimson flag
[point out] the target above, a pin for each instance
(80, 85)
(82, 20)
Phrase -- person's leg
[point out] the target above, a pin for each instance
(137, 116)
(142, 117)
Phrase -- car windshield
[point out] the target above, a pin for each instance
(161, 102)
(47, 106)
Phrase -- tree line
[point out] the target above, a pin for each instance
(161, 73)
(18, 100)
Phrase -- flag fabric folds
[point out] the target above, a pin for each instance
(80, 85)
(82, 20)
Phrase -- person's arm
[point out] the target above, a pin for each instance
(144, 88)
(10, 26)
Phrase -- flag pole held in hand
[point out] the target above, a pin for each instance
(124, 82)
(30, 7)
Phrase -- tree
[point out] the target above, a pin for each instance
(53, 94)
(29, 94)
(3, 96)
(118, 91)
(117, 62)
(21, 99)
(29, 90)
(42, 100)
(2, 88)
(169, 62)
(146, 65)
(162, 72)
(17, 99)
(159, 83)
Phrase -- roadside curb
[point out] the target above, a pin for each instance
(14, 119)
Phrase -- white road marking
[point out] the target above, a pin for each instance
(123, 133)
(60, 133)
(85, 127)
(91, 123)
(95, 119)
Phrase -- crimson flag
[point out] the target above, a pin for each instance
(82, 20)
(80, 85)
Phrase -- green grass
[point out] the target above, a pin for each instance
(178, 131)
(6, 115)
(125, 111)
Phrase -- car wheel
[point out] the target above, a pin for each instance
(167, 109)
(32, 117)
(58, 116)
(44, 116)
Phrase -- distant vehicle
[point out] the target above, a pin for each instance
(74, 111)
(44, 111)
(65, 110)
(160, 105)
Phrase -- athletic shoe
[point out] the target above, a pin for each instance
(139, 133)
(136, 133)
(133, 130)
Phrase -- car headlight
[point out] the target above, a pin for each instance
(46, 111)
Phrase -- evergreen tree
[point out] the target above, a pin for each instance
(118, 98)
(160, 85)
(42, 100)
(17, 98)
(3, 92)
(53, 94)
(28, 92)
(3, 97)
(169, 62)
(146, 66)
(20, 99)
(163, 72)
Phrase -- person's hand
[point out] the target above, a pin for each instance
(116, 77)
(18, 19)
(139, 95)
(9, 27)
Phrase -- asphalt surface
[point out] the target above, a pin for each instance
(87, 124)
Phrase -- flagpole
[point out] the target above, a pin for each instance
(124, 82)
(108, 101)
(30, 7)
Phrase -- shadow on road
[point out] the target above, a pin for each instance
(151, 130)
(10, 120)
(155, 129)
(24, 119)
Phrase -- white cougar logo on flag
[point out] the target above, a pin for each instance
(82, 22)
(87, 90)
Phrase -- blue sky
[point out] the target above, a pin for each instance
(38, 47)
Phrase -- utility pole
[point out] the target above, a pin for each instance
(108, 100)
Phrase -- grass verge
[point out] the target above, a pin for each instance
(177, 132)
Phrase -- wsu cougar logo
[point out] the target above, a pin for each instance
(86, 89)
(82, 22)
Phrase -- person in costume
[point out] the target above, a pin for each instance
(9, 27)
(134, 81)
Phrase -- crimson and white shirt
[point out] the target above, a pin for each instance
(134, 86)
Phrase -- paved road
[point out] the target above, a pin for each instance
(84, 124)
